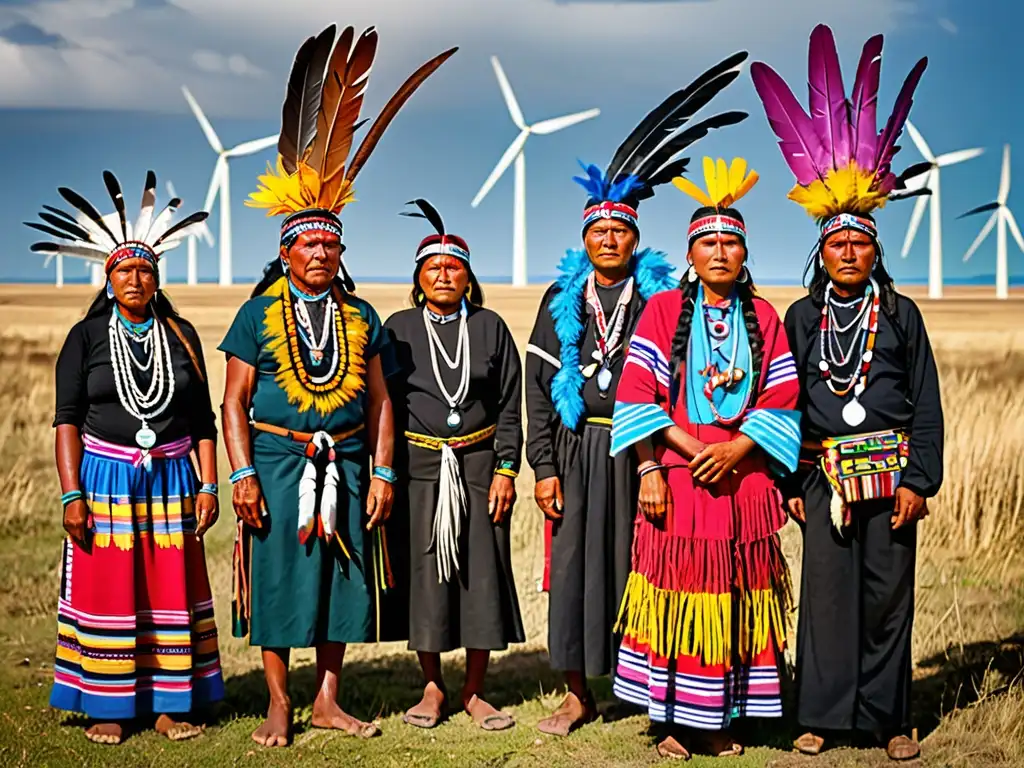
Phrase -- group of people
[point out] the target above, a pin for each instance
(672, 424)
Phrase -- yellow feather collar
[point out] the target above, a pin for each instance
(350, 378)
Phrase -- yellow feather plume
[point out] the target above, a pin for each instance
(283, 193)
(726, 183)
(845, 190)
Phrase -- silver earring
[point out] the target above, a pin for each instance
(744, 276)
(691, 274)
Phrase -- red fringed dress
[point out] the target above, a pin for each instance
(703, 618)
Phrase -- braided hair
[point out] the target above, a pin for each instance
(745, 291)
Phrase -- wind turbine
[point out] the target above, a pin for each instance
(1004, 218)
(204, 232)
(515, 153)
(930, 180)
(220, 181)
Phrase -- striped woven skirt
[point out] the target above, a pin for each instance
(135, 626)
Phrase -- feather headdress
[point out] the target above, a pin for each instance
(319, 120)
(110, 239)
(842, 166)
(648, 155)
(441, 243)
(725, 183)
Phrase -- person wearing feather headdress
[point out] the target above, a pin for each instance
(573, 364)
(707, 401)
(306, 405)
(872, 423)
(462, 422)
(136, 635)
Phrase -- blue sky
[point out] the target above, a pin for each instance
(90, 85)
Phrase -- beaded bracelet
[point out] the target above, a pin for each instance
(71, 496)
(241, 474)
(387, 474)
(210, 488)
(506, 468)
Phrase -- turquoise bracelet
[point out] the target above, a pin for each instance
(71, 496)
(241, 474)
(210, 488)
(387, 474)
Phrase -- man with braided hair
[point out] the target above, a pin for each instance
(707, 402)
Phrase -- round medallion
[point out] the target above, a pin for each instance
(145, 438)
(854, 413)
(822, 366)
(719, 330)
(454, 419)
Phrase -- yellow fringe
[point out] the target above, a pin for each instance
(293, 378)
(282, 193)
(847, 190)
(700, 624)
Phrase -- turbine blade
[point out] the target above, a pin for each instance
(211, 193)
(170, 190)
(506, 160)
(558, 123)
(204, 232)
(48, 259)
(951, 158)
(1004, 177)
(915, 222)
(510, 97)
(919, 141)
(252, 147)
(981, 235)
(1012, 224)
(211, 135)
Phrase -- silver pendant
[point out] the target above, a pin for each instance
(145, 438)
(454, 419)
(604, 380)
(854, 413)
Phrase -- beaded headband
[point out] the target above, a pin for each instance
(133, 249)
(707, 225)
(610, 210)
(446, 245)
(310, 221)
(848, 221)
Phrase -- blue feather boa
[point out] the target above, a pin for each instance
(652, 274)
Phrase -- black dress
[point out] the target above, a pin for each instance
(478, 609)
(591, 545)
(857, 588)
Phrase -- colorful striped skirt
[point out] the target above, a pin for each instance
(135, 627)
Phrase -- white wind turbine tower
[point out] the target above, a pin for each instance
(1004, 218)
(515, 153)
(192, 265)
(930, 180)
(220, 182)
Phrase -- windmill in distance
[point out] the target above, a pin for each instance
(220, 181)
(192, 264)
(930, 180)
(515, 154)
(1002, 216)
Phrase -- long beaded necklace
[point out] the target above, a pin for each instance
(607, 333)
(828, 341)
(148, 405)
(730, 375)
(307, 333)
(461, 358)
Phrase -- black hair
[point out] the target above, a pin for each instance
(711, 210)
(474, 293)
(745, 291)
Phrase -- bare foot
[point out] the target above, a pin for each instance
(105, 733)
(430, 709)
(672, 749)
(570, 715)
(327, 714)
(486, 716)
(276, 728)
(176, 731)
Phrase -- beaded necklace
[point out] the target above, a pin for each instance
(828, 340)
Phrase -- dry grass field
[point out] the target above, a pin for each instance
(969, 634)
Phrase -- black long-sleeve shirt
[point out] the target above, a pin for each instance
(902, 387)
(542, 418)
(87, 396)
(495, 380)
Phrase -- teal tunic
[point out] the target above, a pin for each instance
(303, 595)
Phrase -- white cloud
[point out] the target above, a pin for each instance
(138, 57)
(217, 63)
(948, 25)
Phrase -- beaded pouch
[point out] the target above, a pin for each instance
(862, 468)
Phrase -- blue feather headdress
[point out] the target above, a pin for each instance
(647, 158)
